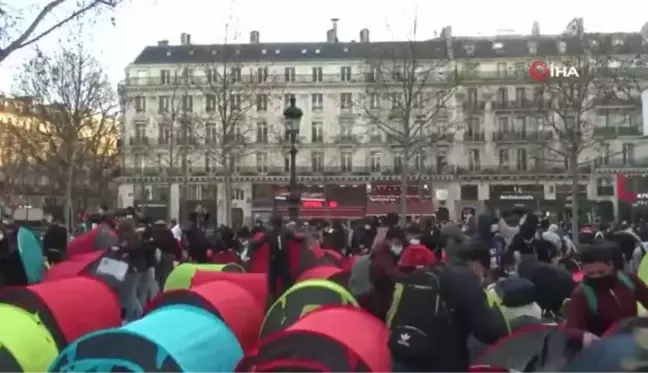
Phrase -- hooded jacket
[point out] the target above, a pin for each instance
(490, 239)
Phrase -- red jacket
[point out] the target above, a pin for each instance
(614, 304)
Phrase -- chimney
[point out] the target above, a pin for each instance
(163, 43)
(254, 37)
(364, 35)
(535, 29)
(335, 29)
(185, 39)
(330, 36)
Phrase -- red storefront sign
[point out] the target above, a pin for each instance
(383, 199)
(325, 201)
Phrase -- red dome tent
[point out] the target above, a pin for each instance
(255, 283)
(326, 272)
(301, 257)
(232, 303)
(100, 238)
(73, 266)
(69, 308)
(330, 339)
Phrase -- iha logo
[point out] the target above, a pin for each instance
(541, 71)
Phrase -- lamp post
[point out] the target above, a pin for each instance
(293, 116)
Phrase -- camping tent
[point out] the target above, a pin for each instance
(180, 277)
(228, 301)
(68, 308)
(301, 299)
(330, 339)
(26, 345)
(177, 338)
(255, 283)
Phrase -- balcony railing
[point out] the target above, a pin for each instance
(618, 131)
(474, 106)
(624, 163)
(531, 136)
(474, 136)
(521, 104)
(138, 141)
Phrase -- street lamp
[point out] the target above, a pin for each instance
(293, 116)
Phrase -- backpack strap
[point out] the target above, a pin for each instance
(591, 299)
(626, 280)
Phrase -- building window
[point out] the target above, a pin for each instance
(238, 194)
(289, 74)
(374, 101)
(628, 154)
(474, 163)
(235, 75)
(262, 74)
(164, 102)
(187, 103)
(398, 163)
(317, 74)
(287, 98)
(286, 162)
(396, 100)
(504, 157)
(140, 104)
(346, 100)
(317, 132)
(375, 159)
(521, 159)
(502, 95)
(210, 103)
(262, 132)
(235, 102)
(165, 76)
(605, 187)
(346, 161)
(262, 102)
(317, 101)
(317, 161)
(210, 133)
(345, 73)
(262, 162)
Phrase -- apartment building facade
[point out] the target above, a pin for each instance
(179, 136)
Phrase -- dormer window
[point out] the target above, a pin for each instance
(470, 49)
(346, 49)
(214, 52)
(533, 47)
(304, 51)
(562, 47)
(498, 45)
(617, 41)
(594, 43)
(264, 51)
(277, 51)
(317, 51)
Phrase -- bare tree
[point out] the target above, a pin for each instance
(74, 108)
(14, 34)
(406, 98)
(15, 167)
(569, 105)
(238, 98)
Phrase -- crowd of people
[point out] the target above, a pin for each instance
(425, 279)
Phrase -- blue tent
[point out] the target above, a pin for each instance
(178, 338)
(31, 255)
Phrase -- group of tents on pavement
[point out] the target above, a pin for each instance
(220, 318)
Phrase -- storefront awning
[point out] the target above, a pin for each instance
(413, 208)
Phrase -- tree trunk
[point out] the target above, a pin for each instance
(227, 203)
(68, 198)
(403, 194)
(573, 163)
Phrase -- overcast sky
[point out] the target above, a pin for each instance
(143, 22)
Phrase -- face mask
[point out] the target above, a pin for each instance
(396, 249)
(602, 282)
(415, 241)
(494, 228)
(367, 227)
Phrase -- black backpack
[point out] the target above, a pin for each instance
(418, 319)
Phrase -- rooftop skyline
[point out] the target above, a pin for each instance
(142, 23)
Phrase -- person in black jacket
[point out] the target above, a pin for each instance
(197, 241)
(166, 249)
(55, 242)
(461, 282)
(130, 251)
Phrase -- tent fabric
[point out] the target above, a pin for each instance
(225, 257)
(300, 257)
(300, 299)
(198, 340)
(25, 339)
(619, 353)
(100, 238)
(335, 274)
(176, 338)
(73, 266)
(181, 276)
(533, 348)
(352, 327)
(116, 351)
(298, 352)
(31, 255)
(227, 300)
(69, 308)
(255, 283)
